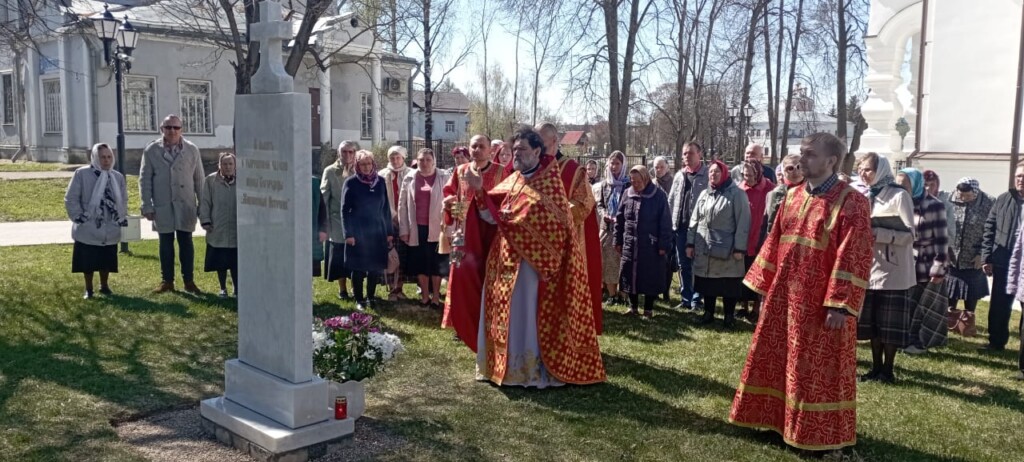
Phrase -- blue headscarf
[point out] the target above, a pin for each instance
(916, 181)
(619, 183)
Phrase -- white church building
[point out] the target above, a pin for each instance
(949, 67)
(358, 92)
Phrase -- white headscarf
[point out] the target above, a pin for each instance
(98, 191)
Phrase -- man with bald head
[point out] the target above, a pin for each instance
(583, 206)
(461, 215)
(753, 151)
(170, 183)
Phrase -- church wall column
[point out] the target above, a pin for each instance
(378, 123)
(64, 61)
(33, 106)
(882, 109)
(910, 112)
(324, 78)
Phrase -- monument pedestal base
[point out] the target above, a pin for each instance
(266, 440)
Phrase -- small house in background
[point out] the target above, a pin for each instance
(450, 113)
(576, 141)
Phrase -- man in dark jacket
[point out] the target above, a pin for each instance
(996, 246)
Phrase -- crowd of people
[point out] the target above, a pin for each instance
(533, 246)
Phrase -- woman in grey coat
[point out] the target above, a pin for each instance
(217, 217)
(717, 242)
(96, 202)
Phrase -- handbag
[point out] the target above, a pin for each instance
(393, 261)
(962, 322)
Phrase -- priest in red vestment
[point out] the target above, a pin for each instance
(583, 206)
(534, 326)
(465, 282)
(800, 378)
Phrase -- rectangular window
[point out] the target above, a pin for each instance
(196, 116)
(449, 126)
(467, 127)
(52, 122)
(140, 104)
(366, 116)
(8, 94)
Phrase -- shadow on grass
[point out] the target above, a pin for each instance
(986, 394)
(139, 304)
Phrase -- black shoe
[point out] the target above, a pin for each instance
(707, 318)
(887, 378)
(729, 323)
(871, 376)
(106, 291)
(87, 295)
(344, 296)
(991, 349)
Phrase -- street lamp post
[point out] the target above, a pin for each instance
(118, 44)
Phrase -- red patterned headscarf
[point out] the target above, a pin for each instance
(725, 174)
(758, 169)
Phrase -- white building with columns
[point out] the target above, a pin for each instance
(949, 67)
(358, 92)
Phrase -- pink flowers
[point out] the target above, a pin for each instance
(356, 323)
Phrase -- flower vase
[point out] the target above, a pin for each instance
(354, 392)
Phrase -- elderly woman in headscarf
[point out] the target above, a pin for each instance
(663, 174)
(717, 242)
(930, 246)
(967, 281)
(757, 188)
(789, 171)
(368, 228)
(217, 217)
(643, 235)
(886, 315)
(609, 195)
(96, 202)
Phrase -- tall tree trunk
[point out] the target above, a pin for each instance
(487, 101)
(616, 128)
(428, 89)
(748, 69)
(772, 111)
(779, 139)
(682, 73)
(794, 51)
(515, 89)
(393, 7)
(843, 36)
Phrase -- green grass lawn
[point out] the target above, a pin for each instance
(68, 367)
(29, 166)
(43, 200)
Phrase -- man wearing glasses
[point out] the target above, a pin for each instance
(170, 182)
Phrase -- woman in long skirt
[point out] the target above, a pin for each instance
(217, 217)
(96, 203)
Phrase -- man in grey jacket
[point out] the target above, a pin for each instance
(170, 183)
(689, 182)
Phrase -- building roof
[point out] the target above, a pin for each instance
(444, 101)
(572, 138)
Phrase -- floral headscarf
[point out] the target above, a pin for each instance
(758, 169)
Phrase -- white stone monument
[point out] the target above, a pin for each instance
(273, 406)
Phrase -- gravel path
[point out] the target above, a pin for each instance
(177, 436)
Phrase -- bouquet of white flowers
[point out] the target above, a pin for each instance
(351, 347)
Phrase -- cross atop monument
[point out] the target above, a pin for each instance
(271, 31)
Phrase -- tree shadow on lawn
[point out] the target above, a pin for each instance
(666, 326)
(140, 304)
(1006, 359)
(987, 395)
